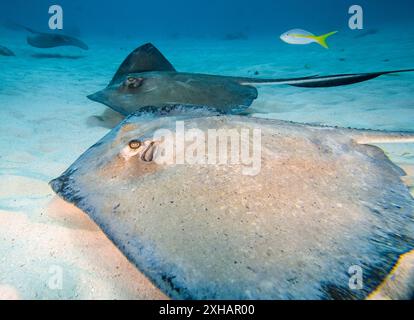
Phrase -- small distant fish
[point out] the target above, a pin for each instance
(298, 36)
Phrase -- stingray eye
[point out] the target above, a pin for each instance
(134, 144)
(132, 82)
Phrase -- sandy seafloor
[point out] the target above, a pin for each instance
(45, 125)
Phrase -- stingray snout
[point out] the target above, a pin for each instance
(98, 96)
(56, 185)
(64, 185)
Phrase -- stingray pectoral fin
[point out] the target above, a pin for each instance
(377, 138)
(338, 80)
(145, 58)
(78, 43)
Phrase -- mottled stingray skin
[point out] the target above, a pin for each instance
(321, 203)
(161, 89)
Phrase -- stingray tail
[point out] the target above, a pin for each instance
(323, 81)
(383, 137)
(341, 79)
(247, 81)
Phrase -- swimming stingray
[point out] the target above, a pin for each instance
(52, 40)
(324, 204)
(6, 52)
(147, 78)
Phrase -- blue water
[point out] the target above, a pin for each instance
(46, 117)
(204, 18)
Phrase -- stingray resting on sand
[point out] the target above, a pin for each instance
(51, 40)
(323, 202)
(147, 78)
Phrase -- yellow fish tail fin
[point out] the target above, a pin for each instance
(322, 39)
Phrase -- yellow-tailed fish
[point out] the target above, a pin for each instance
(298, 36)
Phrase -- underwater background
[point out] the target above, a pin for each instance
(47, 121)
(213, 18)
